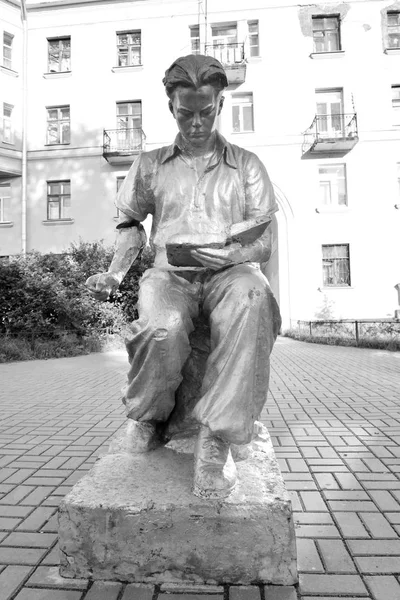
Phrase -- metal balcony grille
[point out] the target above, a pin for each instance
(227, 54)
(331, 134)
(123, 140)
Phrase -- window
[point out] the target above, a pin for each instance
(5, 197)
(225, 46)
(129, 125)
(330, 116)
(59, 55)
(195, 39)
(242, 112)
(336, 265)
(7, 49)
(129, 48)
(253, 38)
(393, 29)
(326, 33)
(58, 125)
(120, 181)
(8, 133)
(332, 185)
(58, 200)
(396, 104)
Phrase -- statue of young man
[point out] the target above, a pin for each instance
(199, 185)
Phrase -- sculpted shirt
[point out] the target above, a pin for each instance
(163, 182)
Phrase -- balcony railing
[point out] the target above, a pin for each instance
(331, 134)
(231, 56)
(122, 145)
(227, 54)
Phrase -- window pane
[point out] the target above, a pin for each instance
(123, 57)
(195, 31)
(66, 187)
(393, 19)
(122, 109)
(135, 56)
(248, 118)
(54, 188)
(65, 133)
(235, 118)
(53, 210)
(64, 110)
(253, 26)
(123, 39)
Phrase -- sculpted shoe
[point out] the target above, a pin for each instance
(138, 437)
(214, 470)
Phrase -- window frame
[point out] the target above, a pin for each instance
(9, 120)
(336, 204)
(194, 39)
(8, 47)
(129, 46)
(60, 40)
(336, 267)
(253, 35)
(3, 199)
(60, 122)
(396, 106)
(61, 199)
(119, 181)
(388, 33)
(324, 30)
(241, 105)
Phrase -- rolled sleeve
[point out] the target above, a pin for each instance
(133, 199)
(259, 192)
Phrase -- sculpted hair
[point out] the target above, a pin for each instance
(194, 71)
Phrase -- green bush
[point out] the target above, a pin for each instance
(46, 310)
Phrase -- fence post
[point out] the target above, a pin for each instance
(356, 328)
(310, 328)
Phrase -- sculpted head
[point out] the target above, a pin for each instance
(194, 85)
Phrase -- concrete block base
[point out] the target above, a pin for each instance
(135, 518)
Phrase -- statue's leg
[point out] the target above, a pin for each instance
(158, 346)
(244, 320)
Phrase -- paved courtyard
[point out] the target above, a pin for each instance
(334, 418)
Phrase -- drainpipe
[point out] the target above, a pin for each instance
(24, 124)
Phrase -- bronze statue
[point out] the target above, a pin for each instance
(196, 189)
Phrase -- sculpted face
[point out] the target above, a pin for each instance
(195, 112)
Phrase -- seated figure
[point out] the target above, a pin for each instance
(195, 190)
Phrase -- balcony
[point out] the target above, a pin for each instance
(231, 56)
(121, 146)
(330, 135)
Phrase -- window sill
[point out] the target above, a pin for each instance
(58, 221)
(58, 144)
(331, 209)
(128, 69)
(242, 132)
(10, 72)
(320, 55)
(253, 59)
(8, 143)
(6, 224)
(392, 51)
(57, 75)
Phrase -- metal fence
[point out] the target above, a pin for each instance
(384, 330)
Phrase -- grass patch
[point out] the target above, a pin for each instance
(380, 342)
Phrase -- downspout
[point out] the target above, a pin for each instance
(24, 125)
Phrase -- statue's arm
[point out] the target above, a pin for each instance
(131, 238)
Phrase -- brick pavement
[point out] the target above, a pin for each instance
(334, 418)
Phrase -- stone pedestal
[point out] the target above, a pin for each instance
(135, 518)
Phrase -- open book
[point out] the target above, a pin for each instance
(245, 232)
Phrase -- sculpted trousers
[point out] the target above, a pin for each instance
(244, 321)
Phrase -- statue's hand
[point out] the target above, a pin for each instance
(217, 258)
(102, 285)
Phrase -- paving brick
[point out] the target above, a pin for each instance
(377, 525)
(11, 578)
(350, 524)
(48, 576)
(375, 547)
(279, 592)
(36, 519)
(335, 556)
(332, 584)
(308, 559)
(383, 587)
(357, 506)
(384, 500)
(104, 590)
(41, 594)
(20, 556)
(313, 501)
(378, 564)
(244, 592)
(30, 540)
(145, 592)
(309, 518)
(317, 531)
(37, 496)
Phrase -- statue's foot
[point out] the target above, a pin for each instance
(215, 473)
(139, 437)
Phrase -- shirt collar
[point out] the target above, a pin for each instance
(223, 148)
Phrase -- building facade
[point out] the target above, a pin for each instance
(314, 92)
